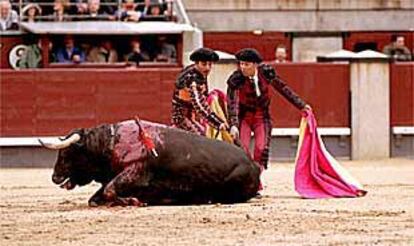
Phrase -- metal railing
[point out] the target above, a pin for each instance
(119, 10)
(180, 10)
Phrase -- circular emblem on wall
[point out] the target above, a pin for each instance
(16, 54)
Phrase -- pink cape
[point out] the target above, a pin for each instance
(317, 173)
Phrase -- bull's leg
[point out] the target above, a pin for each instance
(123, 184)
(97, 199)
(241, 185)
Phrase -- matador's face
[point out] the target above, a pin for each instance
(204, 67)
(248, 68)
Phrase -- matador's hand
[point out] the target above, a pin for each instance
(223, 126)
(307, 107)
(234, 132)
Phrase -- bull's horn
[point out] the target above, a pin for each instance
(66, 137)
(63, 144)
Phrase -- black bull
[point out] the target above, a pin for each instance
(185, 169)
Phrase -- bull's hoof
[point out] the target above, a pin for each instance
(93, 204)
(96, 202)
(258, 196)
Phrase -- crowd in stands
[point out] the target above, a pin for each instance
(160, 50)
(68, 51)
(83, 10)
(396, 50)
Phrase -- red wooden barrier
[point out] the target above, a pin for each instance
(7, 42)
(402, 94)
(324, 86)
(53, 101)
(231, 42)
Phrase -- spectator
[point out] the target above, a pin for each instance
(81, 7)
(9, 19)
(33, 56)
(95, 12)
(165, 52)
(69, 53)
(106, 6)
(59, 8)
(280, 54)
(104, 53)
(136, 55)
(155, 13)
(155, 9)
(128, 12)
(397, 49)
(31, 11)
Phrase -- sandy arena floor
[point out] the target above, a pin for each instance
(36, 212)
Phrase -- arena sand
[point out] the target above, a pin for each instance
(36, 212)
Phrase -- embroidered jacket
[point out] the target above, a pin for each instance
(243, 97)
(189, 103)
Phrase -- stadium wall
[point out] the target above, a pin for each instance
(302, 15)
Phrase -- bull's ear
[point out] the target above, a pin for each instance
(61, 144)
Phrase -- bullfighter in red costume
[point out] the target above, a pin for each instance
(189, 104)
(248, 97)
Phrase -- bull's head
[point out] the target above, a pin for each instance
(72, 161)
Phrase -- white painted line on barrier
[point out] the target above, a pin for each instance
(403, 130)
(32, 141)
(24, 141)
(324, 131)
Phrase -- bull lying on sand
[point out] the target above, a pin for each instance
(139, 162)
